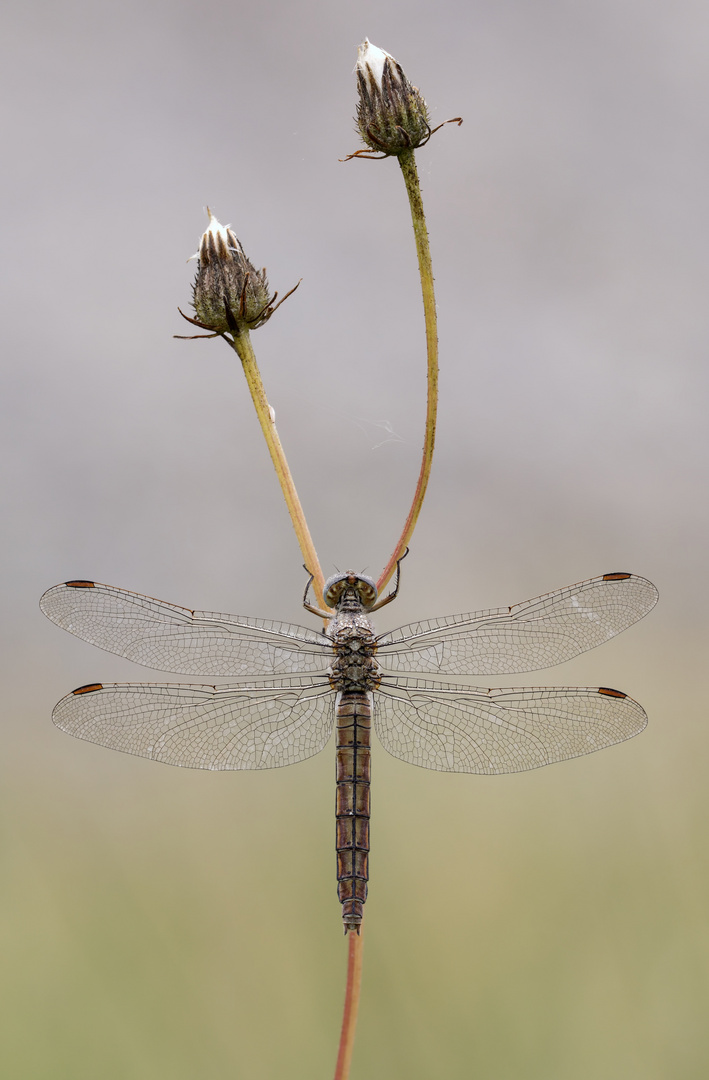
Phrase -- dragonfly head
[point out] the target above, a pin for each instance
(358, 587)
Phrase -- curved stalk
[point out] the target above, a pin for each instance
(413, 190)
(349, 1016)
(242, 345)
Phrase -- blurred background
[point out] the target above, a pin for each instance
(159, 922)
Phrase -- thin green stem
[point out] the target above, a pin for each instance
(413, 190)
(242, 344)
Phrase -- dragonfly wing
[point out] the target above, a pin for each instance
(538, 633)
(171, 638)
(466, 729)
(204, 727)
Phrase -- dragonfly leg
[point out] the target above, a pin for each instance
(393, 594)
(320, 612)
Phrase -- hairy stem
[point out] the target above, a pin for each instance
(242, 344)
(413, 190)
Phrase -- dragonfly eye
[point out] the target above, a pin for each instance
(338, 584)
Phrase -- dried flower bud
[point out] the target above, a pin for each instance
(391, 113)
(228, 291)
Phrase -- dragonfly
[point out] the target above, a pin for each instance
(298, 684)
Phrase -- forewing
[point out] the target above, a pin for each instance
(462, 729)
(171, 638)
(204, 727)
(538, 633)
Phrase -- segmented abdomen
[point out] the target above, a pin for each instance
(354, 725)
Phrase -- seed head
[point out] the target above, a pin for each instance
(228, 291)
(391, 113)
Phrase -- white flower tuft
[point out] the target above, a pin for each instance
(372, 57)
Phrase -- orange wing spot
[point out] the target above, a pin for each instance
(90, 687)
(79, 584)
(610, 693)
(616, 577)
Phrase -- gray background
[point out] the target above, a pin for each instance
(160, 922)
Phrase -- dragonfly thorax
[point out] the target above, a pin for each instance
(354, 643)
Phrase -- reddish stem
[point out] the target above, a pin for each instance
(349, 1016)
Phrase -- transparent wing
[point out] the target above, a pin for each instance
(538, 633)
(204, 727)
(171, 638)
(463, 729)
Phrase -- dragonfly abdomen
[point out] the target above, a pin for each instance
(354, 725)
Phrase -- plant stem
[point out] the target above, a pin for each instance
(242, 344)
(349, 1016)
(413, 190)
